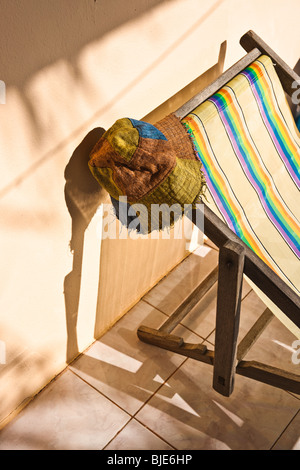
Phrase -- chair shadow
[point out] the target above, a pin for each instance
(83, 195)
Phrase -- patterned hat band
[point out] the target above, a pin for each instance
(150, 165)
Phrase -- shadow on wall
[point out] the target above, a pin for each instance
(83, 195)
(37, 35)
(34, 34)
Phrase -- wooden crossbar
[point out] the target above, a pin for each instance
(254, 333)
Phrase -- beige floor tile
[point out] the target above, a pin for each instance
(124, 368)
(171, 291)
(202, 318)
(135, 436)
(274, 347)
(67, 415)
(251, 309)
(191, 415)
(290, 438)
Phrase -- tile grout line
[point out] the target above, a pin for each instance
(182, 324)
(155, 433)
(281, 434)
(161, 385)
(294, 395)
(169, 314)
(149, 398)
(246, 295)
(99, 391)
(117, 433)
(157, 308)
(133, 416)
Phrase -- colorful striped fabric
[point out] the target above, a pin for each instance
(248, 143)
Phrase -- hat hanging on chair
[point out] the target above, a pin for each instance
(149, 165)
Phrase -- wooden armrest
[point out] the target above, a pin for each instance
(287, 76)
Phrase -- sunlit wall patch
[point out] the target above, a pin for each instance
(2, 92)
(2, 352)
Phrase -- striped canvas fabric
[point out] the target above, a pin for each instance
(248, 143)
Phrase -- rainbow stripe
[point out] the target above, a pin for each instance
(253, 166)
(228, 110)
(220, 189)
(273, 119)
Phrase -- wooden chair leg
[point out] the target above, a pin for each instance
(231, 264)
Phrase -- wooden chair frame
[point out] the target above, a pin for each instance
(235, 259)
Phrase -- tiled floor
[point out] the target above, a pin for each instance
(122, 394)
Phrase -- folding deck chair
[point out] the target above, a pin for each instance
(241, 252)
(249, 146)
